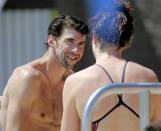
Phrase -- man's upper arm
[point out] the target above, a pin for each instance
(70, 120)
(20, 98)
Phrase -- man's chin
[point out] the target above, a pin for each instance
(69, 65)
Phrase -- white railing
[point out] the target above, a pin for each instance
(144, 89)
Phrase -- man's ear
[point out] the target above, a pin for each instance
(51, 41)
(94, 38)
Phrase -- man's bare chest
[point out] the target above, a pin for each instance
(48, 106)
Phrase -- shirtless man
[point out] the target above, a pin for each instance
(32, 99)
(112, 31)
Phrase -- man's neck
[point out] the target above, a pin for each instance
(53, 69)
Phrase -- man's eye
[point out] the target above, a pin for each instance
(70, 41)
(82, 44)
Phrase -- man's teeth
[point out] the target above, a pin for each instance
(72, 57)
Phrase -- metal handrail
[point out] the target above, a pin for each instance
(116, 88)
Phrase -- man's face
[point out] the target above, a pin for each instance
(70, 47)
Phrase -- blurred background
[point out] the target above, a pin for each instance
(23, 29)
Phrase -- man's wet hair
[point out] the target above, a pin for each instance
(62, 21)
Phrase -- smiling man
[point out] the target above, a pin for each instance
(32, 99)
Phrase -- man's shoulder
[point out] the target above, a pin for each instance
(23, 78)
(26, 72)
